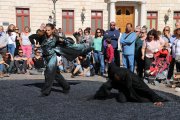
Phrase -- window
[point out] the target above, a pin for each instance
(152, 20)
(22, 18)
(118, 12)
(96, 20)
(68, 21)
(127, 12)
(176, 17)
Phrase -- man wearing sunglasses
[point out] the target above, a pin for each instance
(20, 62)
(113, 34)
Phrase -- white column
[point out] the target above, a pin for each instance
(136, 16)
(143, 13)
(112, 10)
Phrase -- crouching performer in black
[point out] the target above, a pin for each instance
(131, 88)
(52, 46)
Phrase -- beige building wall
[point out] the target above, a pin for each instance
(41, 9)
(162, 6)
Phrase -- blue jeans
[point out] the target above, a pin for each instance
(1, 67)
(128, 62)
(99, 60)
(61, 68)
(11, 49)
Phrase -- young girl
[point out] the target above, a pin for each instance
(109, 52)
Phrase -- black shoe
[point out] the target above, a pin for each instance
(44, 95)
(65, 91)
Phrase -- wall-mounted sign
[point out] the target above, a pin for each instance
(5, 23)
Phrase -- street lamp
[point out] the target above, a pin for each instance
(83, 15)
(54, 11)
(166, 16)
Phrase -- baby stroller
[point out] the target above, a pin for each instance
(159, 68)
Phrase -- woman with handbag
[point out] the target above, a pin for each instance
(150, 46)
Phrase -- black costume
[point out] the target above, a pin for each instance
(50, 49)
(131, 88)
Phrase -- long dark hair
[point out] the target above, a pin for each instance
(175, 32)
(50, 25)
(154, 33)
(96, 35)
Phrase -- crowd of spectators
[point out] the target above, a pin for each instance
(134, 49)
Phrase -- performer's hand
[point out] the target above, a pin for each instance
(158, 104)
(142, 57)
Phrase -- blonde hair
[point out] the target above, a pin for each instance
(2, 27)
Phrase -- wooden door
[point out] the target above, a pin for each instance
(124, 15)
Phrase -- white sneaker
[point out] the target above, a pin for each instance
(177, 89)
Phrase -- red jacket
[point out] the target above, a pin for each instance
(110, 53)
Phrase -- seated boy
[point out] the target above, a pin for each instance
(9, 63)
(20, 62)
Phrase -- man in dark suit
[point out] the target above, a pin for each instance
(131, 88)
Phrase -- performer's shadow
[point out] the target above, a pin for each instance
(40, 85)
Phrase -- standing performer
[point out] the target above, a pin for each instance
(51, 46)
(131, 87)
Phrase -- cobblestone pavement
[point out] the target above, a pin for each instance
(26, 76)
(20, 100)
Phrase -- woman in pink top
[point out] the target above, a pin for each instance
(26, 44)
(152, 44)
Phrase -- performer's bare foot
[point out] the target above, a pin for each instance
(158, 104)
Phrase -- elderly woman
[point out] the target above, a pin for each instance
(150, 46)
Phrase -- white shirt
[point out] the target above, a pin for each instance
(25, 39)
(12, 38)
(176, 48)
(3, 39)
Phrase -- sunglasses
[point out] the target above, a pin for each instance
(137, 31)
(166, 30)
(16, 29)
(112, 25)
(142, 32)
(20, 52)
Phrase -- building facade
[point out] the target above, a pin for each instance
(74, 14)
